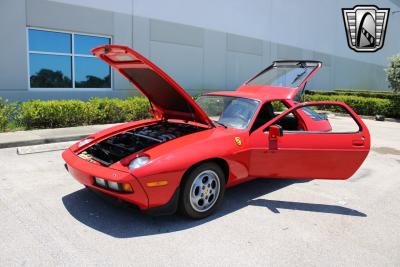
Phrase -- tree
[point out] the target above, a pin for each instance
(47, 78)
(94, 82)
(393, 73)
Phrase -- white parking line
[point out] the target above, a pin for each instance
(43, 148)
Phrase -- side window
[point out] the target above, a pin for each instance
(267, 112)
(332, 118)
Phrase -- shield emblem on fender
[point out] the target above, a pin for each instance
(365, 27)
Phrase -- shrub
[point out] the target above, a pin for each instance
(140, 108)
(6, 113)
(393, 73)
(105, 110)
(363, 105)
(67, 113)
(350, 92)
(52, 114)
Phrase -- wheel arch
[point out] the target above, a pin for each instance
(219, 161)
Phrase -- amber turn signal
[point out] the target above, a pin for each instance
(126, 187)
(157, 183)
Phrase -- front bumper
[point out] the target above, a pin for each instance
(84, 172)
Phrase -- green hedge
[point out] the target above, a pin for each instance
(363, 105)
(6, 113)
(66, 113)
(362, 93)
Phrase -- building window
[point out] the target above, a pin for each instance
(64, 60)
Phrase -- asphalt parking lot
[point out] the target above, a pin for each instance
(47, 218)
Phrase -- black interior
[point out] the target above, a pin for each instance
(266, 114)
(288, 122)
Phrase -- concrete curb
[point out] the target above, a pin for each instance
(41, 141)
(373, 118)
(364, 117)
(47, 136)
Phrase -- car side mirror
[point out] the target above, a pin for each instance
(275, 131)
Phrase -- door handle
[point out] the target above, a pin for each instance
(358, 142)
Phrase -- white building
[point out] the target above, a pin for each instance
(204, 45)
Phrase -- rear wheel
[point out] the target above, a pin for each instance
(203, 190)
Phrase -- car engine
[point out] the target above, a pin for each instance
(124, 144)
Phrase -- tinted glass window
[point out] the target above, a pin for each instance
(233, 112)
(84, 43)
(46, 41)
(90, 72)
(313, 114)
(54, 63)
(49, 71)
(284, 74)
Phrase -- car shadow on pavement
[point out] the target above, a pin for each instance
(276, 205)
(125, 222)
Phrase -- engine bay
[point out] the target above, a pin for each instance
(119, 146)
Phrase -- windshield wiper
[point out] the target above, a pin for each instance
(220, 123)
(298, 76)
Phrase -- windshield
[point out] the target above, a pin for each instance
(284, 74)
(229, 111)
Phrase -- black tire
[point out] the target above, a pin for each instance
(185, 205)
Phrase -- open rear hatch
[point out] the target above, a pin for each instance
(166, 96)
(283, 79)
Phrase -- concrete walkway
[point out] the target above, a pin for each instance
(44, 136)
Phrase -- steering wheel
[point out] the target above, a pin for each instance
(242, 117)
(238, 121)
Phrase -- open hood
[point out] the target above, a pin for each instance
(166, 96)
(283, 79)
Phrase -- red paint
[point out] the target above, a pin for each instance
(293, 155)
(134, 66)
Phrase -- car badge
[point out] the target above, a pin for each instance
(365, 27)
(238, 141)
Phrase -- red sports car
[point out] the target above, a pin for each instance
(191, 151)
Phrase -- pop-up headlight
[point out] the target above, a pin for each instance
(138, 162)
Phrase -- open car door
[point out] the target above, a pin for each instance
(326, 145)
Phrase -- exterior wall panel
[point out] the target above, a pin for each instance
(214, 66)
(240, 67)
(53, 15)
(176, 33)
(242, 44)
(122, 34)
(141, 35)
(13, 64)
(183, 63)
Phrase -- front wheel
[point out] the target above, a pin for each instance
(203, 190)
